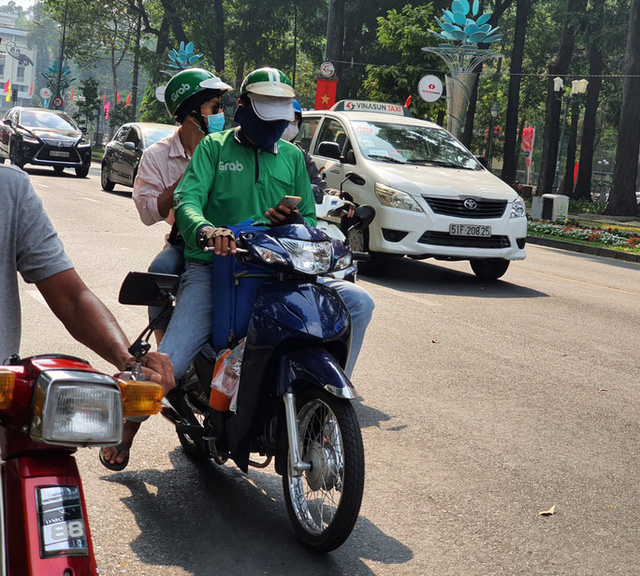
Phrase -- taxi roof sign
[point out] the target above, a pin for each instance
(365, 106)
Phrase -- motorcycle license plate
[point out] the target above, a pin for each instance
(469, 230)
(62, 527)
(59, 153)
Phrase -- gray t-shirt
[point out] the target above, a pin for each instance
(28, 244)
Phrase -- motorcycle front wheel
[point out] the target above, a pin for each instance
(323, 503)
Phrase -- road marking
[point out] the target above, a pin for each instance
(91, 199)
(36, 183)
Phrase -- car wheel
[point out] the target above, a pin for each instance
(104, 179)
(82, 171)
(58, 169)
(15, 156)
(489, 268)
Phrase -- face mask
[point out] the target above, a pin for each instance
(290, 132)
(215, 122)
(262, 134)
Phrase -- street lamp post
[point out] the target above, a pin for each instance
(494, 115)
(578, 89)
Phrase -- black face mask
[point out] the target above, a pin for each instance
(263, 134)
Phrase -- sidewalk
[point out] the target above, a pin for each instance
(605, 222)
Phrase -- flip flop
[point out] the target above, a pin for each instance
(115, 466)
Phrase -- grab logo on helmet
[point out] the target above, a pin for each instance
(180, 91)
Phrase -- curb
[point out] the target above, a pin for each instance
(584, 248)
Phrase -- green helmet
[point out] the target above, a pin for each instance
(268, 82)
(188, 82)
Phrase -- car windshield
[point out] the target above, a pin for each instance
(155, 134)
(411, 144)
(46, 119)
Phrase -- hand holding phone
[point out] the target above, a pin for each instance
(290, 201)
(285, 211)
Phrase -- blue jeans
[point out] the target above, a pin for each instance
(169, 261)
(190, 326)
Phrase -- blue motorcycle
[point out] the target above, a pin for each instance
(293, 398)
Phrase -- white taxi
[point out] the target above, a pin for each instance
(433, 199)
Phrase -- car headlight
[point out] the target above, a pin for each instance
(518, 208)
(395, 198)
(76, 408)
(84, 141)
(28, 138)
(309, 257)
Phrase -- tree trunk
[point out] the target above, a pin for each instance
(622, 201)
(510, 165)
(219, 63)
(336, 39)
(582, 190)
(559, 67)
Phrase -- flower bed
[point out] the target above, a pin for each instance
(573, 231)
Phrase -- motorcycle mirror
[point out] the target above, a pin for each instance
(148, 289)
(363, 216)
(352, 177)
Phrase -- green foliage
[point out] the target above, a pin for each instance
(90, 108)
(403, 34)
(119, 114)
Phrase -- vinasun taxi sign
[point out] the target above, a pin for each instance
(364, 106)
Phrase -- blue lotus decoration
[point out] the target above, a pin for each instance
(185, 57)
(458, 26)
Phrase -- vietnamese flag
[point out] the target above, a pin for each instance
(118, 98)
(71, 97)
(7, 85)
(31, 89)
(107, 109)
(325, 93)
(127, 102)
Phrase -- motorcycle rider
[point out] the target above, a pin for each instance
(31, 246)
(193, 97)
(234, 176)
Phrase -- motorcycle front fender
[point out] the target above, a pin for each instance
(318, 367)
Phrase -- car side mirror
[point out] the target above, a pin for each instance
(148, 289)
(129, 146)
(355, 178)
(330, 150)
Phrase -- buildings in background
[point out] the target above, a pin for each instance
(18, 73)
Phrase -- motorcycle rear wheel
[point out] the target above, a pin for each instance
(323, 503)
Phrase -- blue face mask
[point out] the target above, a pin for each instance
(263, 134)
(215, 122)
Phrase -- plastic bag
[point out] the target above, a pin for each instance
(226, 378)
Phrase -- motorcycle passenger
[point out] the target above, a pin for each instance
(31, 246)
(193, 97)
(234, 176)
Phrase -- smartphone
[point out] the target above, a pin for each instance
(290, 201)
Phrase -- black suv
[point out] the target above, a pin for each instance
(44, 138)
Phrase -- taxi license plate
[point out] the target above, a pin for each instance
(59, 154)
(469, 230)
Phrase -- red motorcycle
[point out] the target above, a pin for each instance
(49, 406)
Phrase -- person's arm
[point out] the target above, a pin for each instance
(312, 170)
(90, 322)
(151, 198)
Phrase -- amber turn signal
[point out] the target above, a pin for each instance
(140, 398)
(7, 385)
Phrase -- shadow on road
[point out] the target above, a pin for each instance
(422, 277)
(209, 519)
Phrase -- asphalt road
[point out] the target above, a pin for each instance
(481, 405)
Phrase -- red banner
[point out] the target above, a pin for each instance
(127, 102)
(325, 93)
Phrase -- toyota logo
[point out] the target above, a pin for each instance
(470, 204)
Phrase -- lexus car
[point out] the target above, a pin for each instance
(432, 198)
(44, 138)
(122, 154)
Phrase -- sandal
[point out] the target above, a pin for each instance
(115, 466)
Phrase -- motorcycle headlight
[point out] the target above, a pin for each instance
(395, 198)
(518, 208)
(76, 408)
(309, 257)
(269, 256)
